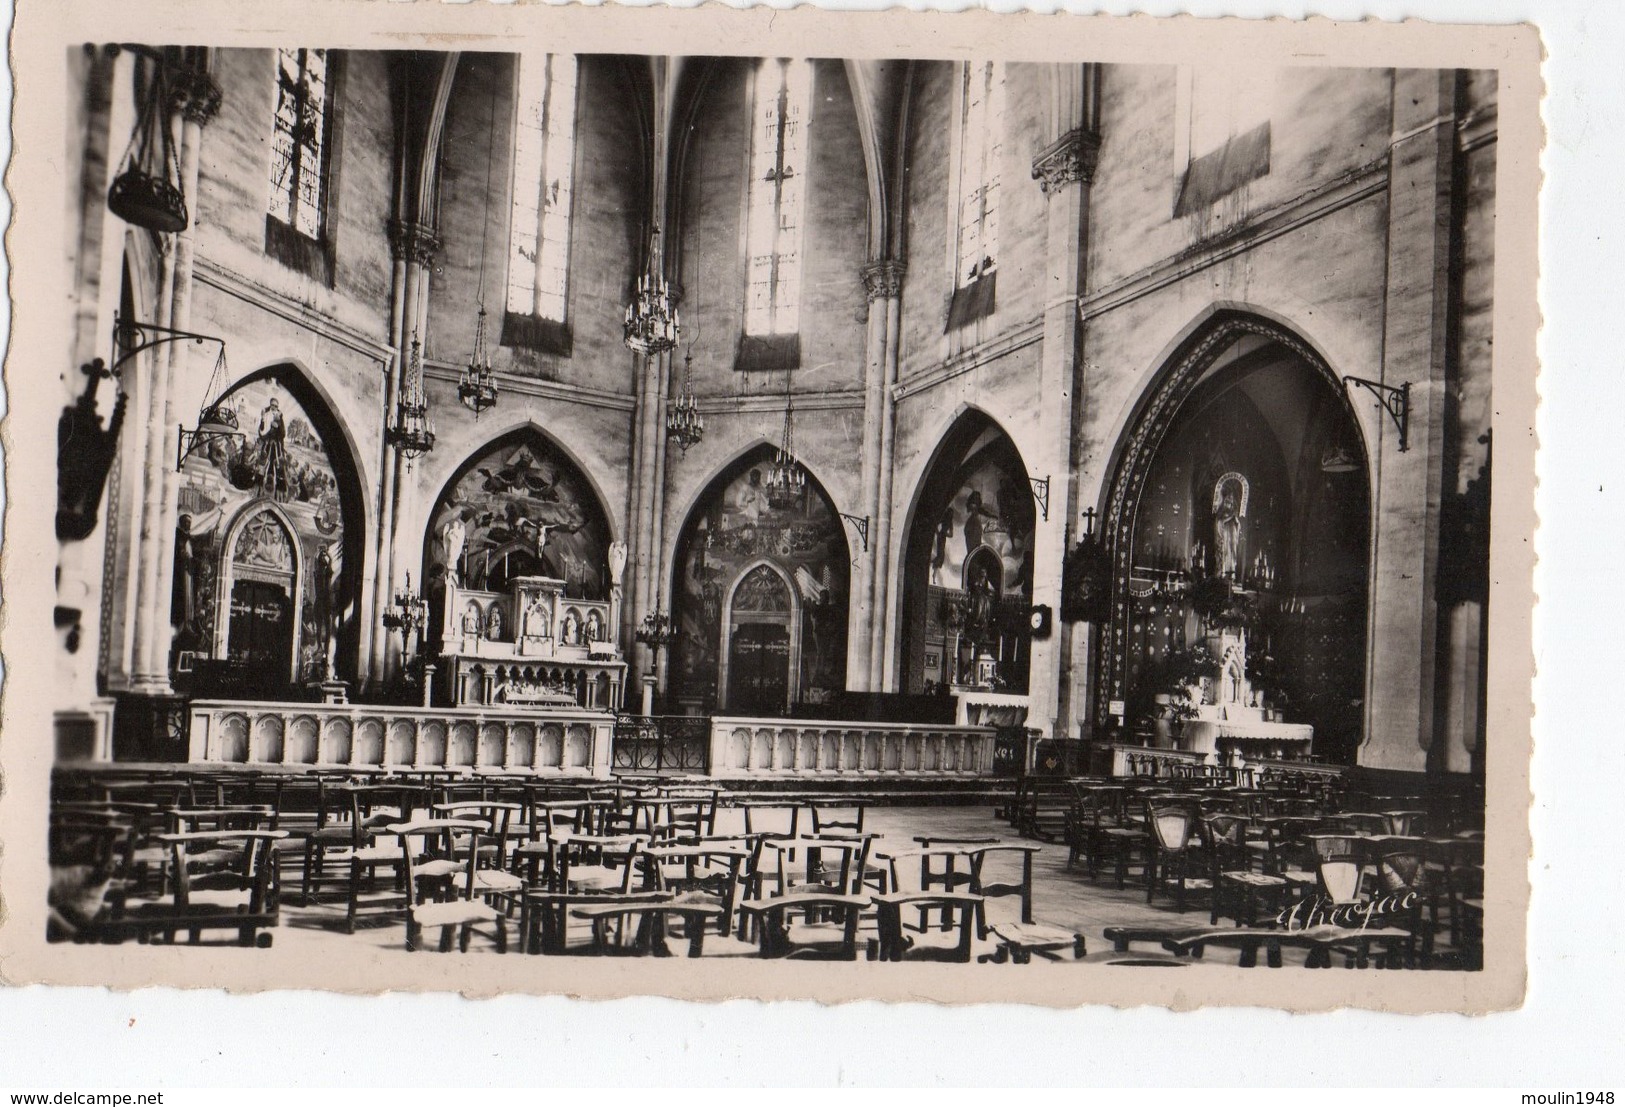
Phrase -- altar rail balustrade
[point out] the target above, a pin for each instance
(790, 748)
(564, 741)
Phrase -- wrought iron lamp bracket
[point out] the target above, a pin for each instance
(860, 524)
(132, 338)
(1041, 494)
(1396, 401)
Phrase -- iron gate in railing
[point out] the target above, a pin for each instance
(662, 743)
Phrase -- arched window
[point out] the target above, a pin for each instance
(777, 196)
(981, 148)
(299, 142)
(296, 230)
(543, 175)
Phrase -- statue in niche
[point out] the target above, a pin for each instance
(1229, 510)
(471, 621)
(536, 624)
(570, 629)
(595, 628)
(493, 624)
(452, 537)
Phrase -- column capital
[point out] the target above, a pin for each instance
(196, 95)
(883, 280)
(412, 241)
(1070, 158)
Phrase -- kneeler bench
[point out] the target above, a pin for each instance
(1321, 941)
(1017, 942)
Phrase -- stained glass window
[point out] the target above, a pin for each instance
(777, 197)
(980, 149)
(299, 141)
(544, 165)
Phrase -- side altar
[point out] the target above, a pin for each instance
(531, 646)
(1234, 724)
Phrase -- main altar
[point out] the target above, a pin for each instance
(1234, 723)
(530, 646)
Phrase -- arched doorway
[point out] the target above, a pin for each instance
(761, 639)
(760, 598)
(1238, 532)
(258, 630)
(267, 518)
(968, 567)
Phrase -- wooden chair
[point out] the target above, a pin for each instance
(896, 945)
(1171, 858)
(707, 873)
(807, 926)
(439, 858)
(831, 864)
(985, 885)
(1237, 889)
(221, 879)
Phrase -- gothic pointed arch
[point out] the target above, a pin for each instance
(759, 595)
(518, 506)
(967, 564)
(1237, 525)
(289, 471)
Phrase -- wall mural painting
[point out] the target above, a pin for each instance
(978, 572)
(226, 485)
(733, 531)
(520, 509)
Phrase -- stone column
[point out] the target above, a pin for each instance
(415, 245)
(1406, 487)
(866, 624)
(197, 103)
(1064, 170)
(883, 284)
(200, 105)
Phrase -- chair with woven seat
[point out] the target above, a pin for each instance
(595, 862)
(806, 926)
(1237, 888)
(1172, 856)
(965, 911)
(831, 864)
(711, 872)
(209, 892)
(439, 858)
(491, 876)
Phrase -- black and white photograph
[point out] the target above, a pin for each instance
(1034, 521)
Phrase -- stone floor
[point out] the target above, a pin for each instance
(1061, 898)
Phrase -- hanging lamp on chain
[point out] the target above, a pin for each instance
(147, 191)
(477, 387)
(651, 322)
(684, 423)
(217, 421)
(412, 433)
(787, 480)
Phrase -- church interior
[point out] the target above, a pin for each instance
(584, 450)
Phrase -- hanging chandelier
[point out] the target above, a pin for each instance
(147, 191)
(684, 423)
(477, 387)
(651, 318)
(412, 433)
(787, 480)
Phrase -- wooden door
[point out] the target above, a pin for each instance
(759, 669)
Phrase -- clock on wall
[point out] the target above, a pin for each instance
(1038, 620)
